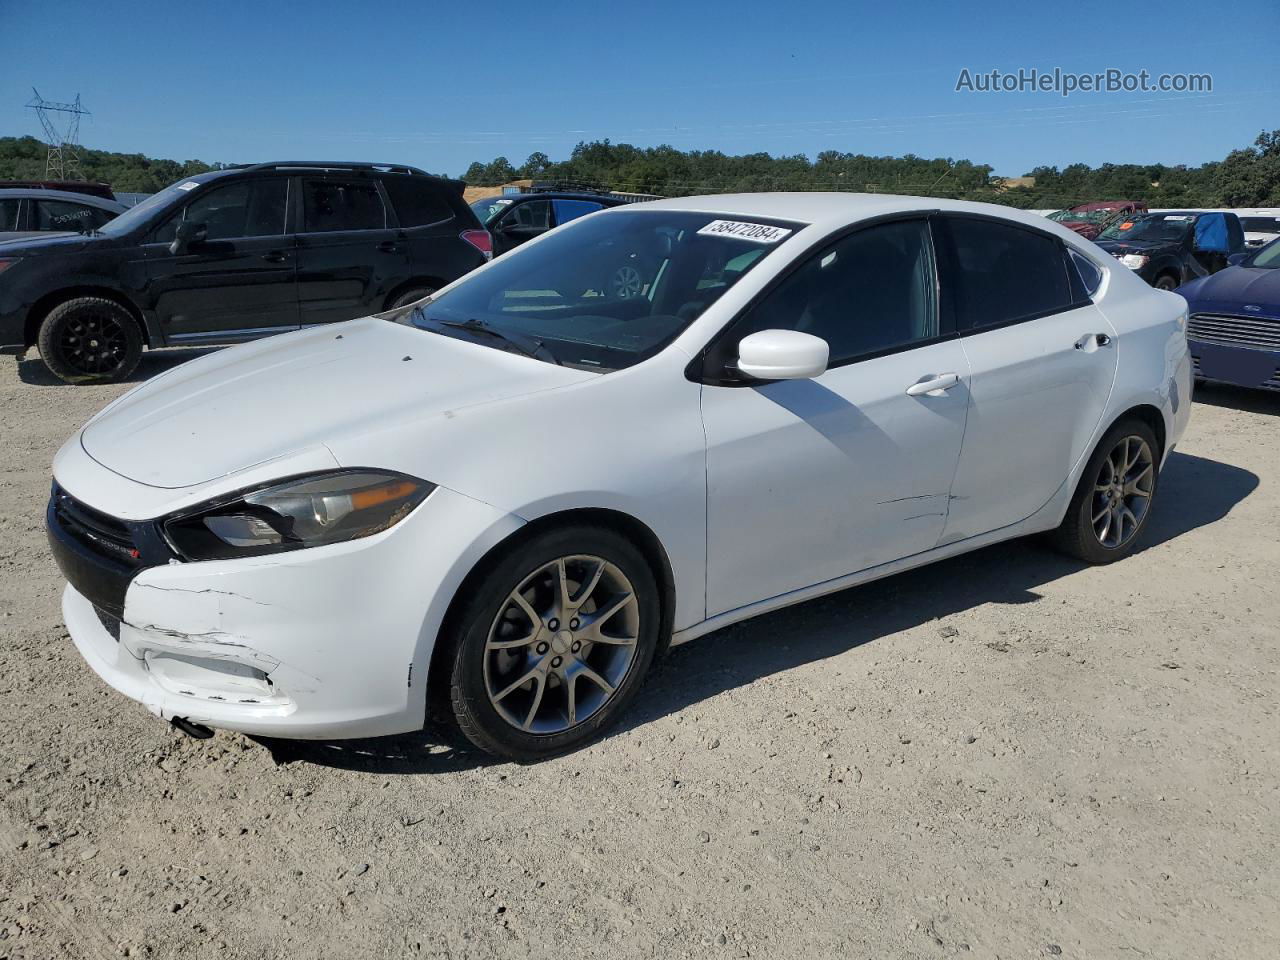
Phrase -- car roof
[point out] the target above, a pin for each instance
(30, 193)
(833, 209)
(553, 195)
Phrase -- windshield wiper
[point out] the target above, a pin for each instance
(529, 346)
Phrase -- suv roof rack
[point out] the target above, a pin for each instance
(332, 165)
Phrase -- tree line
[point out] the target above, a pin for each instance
(1246, 177)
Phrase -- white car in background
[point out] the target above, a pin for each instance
(1261, 225)
(510, 497)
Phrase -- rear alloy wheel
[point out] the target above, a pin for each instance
(90, 340)
(1114, 498)
(555, 643)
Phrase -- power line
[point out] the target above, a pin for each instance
(62, 161)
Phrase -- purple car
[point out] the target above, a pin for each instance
(1234, 324)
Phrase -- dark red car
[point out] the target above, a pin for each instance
(1090, 219)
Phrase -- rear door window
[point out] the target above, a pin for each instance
(1002, 274)
(566, 210)
(340, 205)
(416, 201)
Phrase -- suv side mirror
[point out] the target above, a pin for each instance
(783, 355)
(186, 235)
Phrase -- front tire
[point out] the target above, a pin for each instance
(553, 643)
(1166, 281)
(90, 340)
(1111, 505)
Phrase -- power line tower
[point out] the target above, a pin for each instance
(62, 163)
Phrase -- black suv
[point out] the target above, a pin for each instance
(1174, 247)
(233, 255)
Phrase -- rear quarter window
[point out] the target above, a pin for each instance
(416, 202)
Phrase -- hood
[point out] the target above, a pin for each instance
(1243, 290)
(1147, 247)
(270, 399)
(33, 244)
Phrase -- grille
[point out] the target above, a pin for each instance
(95, 529)
(1233, 331)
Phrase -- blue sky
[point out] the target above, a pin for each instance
(441, 85)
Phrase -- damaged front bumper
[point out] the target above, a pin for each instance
(329, 642)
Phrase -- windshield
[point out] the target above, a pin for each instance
(1268, 257)
(142, 213)
(1154, 228)
(1080, 216)
(1260, 224)
(604, 292)
(488, 208)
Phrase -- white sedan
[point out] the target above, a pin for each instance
(507, 499)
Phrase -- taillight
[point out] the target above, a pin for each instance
(481, 240)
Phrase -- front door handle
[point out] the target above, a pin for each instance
(275, 256)
(1092, 341)
(389, 246)
(933, 387)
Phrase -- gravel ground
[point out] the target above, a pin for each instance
(1004, 755)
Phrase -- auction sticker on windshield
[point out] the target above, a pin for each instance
(756, 232)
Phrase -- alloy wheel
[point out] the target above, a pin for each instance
(1122, 492)
(561, 644)
(93, 344)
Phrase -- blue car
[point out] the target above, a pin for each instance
(1234, 324)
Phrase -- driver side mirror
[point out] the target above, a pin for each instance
(187, 235)
(1237, 258)
(782, 355)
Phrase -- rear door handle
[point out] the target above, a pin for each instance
(389, 246)
(935, 386)
(275, 256)
(1091, 341)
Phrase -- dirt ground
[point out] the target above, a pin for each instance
(1005, 755)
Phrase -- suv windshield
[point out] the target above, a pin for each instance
(489, 207)
(144, 211)
(1157, 227)
(604, 292)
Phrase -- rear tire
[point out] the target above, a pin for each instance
(1113, 500)
(1166, 281)
(90, 340)
(582, 649)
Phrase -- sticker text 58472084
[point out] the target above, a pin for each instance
(755, 232)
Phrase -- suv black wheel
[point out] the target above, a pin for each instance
(90, 340)
(1113, 501)
(1166, 281)
(553, 642)
(411, 296)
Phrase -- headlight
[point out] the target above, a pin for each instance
(1134, 261)
(303, 512)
